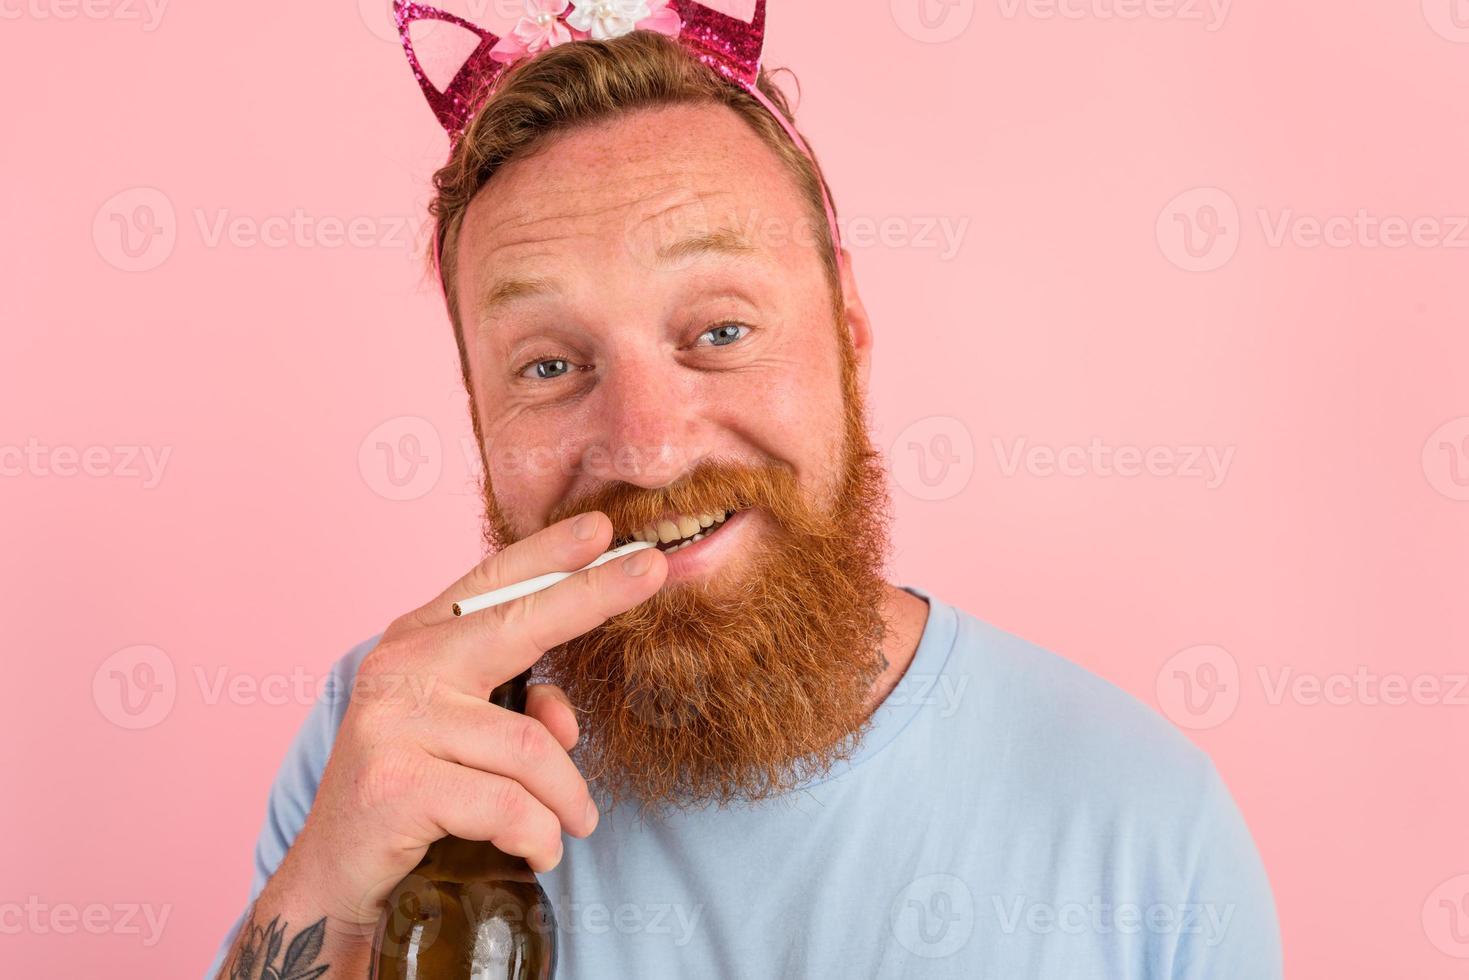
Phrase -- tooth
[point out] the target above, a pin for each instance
(719, 518)
(706, 519)
(697, 537)
(650, 533)
(668, 532)
(687, 525)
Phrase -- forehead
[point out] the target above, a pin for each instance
(620, 193)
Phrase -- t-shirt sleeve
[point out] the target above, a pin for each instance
(294, 789)
(1235, 934)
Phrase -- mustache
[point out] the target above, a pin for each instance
(712, 486)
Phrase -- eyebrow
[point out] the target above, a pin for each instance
(724, 241)
(507, 291)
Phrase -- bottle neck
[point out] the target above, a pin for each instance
(511, 694)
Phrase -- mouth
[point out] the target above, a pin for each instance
(674, 532)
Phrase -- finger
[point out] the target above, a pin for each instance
(550, 706)
(478, 652)
(489, 738)
(474, 805)
(556, 548)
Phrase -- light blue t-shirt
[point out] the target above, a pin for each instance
(1008, 816)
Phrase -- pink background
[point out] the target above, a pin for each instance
(1086, 300)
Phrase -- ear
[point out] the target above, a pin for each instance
(859, 327)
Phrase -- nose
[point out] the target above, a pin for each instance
(648, 429)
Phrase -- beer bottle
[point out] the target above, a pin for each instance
(469, 911)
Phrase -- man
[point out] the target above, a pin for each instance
(802, 770)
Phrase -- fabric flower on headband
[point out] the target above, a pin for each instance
(546, 24)
(602, 19)
(539, 29)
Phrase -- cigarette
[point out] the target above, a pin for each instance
(520, 589)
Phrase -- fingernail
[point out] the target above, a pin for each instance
(584, 527)
(639, 563)
(592, 815)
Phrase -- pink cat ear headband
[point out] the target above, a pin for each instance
(730, 46)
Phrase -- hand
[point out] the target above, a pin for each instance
(422, 754)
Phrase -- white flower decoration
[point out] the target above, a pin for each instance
(604, 19)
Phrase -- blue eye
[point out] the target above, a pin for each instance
(724, 334)
(561, 366)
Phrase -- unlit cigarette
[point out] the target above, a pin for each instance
(510, 592)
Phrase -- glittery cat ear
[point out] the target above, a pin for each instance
(727, 44)
(456, 102)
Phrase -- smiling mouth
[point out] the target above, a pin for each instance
(679, 530)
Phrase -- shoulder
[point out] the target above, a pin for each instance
(1081, 729)
(1077, 751)
(1095, 767)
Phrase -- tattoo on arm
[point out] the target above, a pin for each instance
(257, 950)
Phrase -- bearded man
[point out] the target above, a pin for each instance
(750, 755)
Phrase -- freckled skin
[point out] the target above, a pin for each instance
(590, 207)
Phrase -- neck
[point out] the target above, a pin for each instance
(905, 615)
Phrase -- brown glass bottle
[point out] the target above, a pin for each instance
(469, 911)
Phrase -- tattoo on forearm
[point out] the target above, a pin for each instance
(257, 949)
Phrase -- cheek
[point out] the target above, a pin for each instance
(527, 468)
(514, 496)
(795, 413)
(802, 417)
(525, 453)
